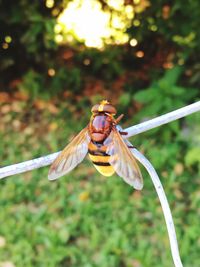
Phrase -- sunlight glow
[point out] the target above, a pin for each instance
(117, 5)
(59, 38)
(85, 21)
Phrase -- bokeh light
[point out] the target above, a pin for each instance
(5, 46)
(51, 72)
(140, 54)
(133, 42)
(136, 23)
(8, 39)
(49, 3)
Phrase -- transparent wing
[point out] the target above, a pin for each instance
(71, 156)
(123, 161)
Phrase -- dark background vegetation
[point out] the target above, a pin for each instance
(46, 91)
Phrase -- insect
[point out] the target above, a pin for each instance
(108, 151)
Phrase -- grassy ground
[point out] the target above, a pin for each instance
(84, 219)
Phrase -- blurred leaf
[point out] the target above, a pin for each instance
(193, 156)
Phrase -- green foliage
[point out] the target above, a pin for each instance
(164, 95)
(166, 33)
(37, 84)
(32, 45)
(34, 82)
(176, 21)
(163, 143)
(85, 219)
(193, 156)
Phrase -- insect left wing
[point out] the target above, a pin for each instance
(123, 161)
(71, 156)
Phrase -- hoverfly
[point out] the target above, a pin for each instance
(108, 151)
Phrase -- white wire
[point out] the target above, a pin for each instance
(142, 127)
(166, 118)
(164, 204)
(136, 129)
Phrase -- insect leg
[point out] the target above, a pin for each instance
(119, 128)
(131, 146)
(119, 118)
(123, 133)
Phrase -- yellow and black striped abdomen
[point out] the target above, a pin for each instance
(100, 159)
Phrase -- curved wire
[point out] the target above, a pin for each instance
(133, 130)
(164, 204)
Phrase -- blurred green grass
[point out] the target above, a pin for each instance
(85, 219)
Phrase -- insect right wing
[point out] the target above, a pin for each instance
(71, 156)
(123, 160)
